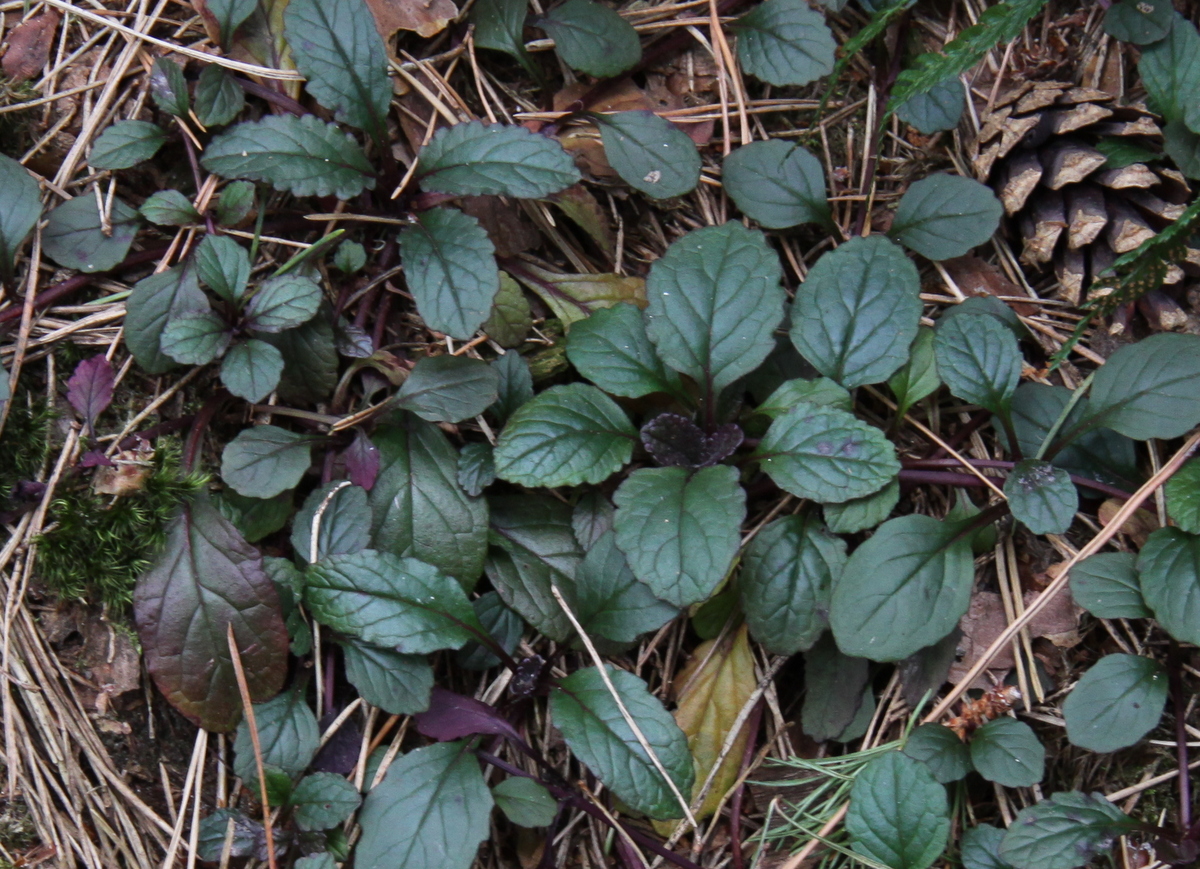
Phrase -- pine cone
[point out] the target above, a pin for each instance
(1049, 150)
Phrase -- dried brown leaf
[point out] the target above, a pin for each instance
(27, 49)
(426, 17)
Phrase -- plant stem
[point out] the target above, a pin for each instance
(1179, 703)
(914, 464)
(191, 448)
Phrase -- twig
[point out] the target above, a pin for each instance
(248, 708)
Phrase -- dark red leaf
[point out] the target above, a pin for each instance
(95, 459)
(453, 716)
(206, 578)
(362, 461)
(90, 389)
(676, 441)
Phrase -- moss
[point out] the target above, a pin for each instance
(25, 444)
(98, 546)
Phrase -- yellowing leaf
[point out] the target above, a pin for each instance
(716, 683)
(574, 297)
(426, 17)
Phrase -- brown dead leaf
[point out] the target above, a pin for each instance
(975, 277)
(582, 207)
(27, 49)
(716, 683)
(426, 17)
(126, 475)
(573, 297)
(505, 223)
(1137, 527)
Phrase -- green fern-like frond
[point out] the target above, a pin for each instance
(997, 25)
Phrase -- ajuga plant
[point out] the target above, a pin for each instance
(472, 505)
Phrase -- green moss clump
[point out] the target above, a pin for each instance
(99, 546)
(25, 445)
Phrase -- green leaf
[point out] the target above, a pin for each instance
(715, 301)
(500, 25)
(859, 514)
(169, 208)
(224, 265)
(515, 385)
(288, 736)
(582, 708)
(940, 749)
(784, 42)
(788, 572)
(255, 518)
(1099, 454)
(235, 203)
(125, 144)
(398, 684)
(568, 435)
(75, 238)
(323, 800)
(400, 603)
(420, 510)
(980, 848)
(1182, 145)
(310, 360)
(342, 56)
(867, 292)
(1117, 702)
(251, 369)
(450, 266)
(230, 15)
(571, 298)
(1063, 832)
(1148, 389)
(448, 388)
(822, 391)
(827, 455)
(283, 302)
(510, 319)
(195, 338)
(1170, 69)
(1120, 153)
(431, 811)
(992, 307)
(1183, 497)
(680, 529)
(1169, 568)
(344, 526)
(525, 802)
(903, 589)
(205, 579)
(1042, 497)
(219, 99)
(979, 360)
(1107, 586)
(22, 209)
(534, 548)
(944, 216)
(476, 468)
(154, 302)
(611, 349)
(1008, 752)
(834, 690)
(776, 183)
(504, 626)
(918, 377)
(300, 155)
(264, 460)
(1139, 21)
(649, 153)
(997, 25)
(609, 599)
(937, 110)
(898, 813)
(350, 257)
(592, 38)
(474, 159)
(169, 88)
(211, 839)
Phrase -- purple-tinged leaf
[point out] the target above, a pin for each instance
(95, 459)
(453, 716)
(362, 461)
(676, 441)
(90, 389)
(206, 578)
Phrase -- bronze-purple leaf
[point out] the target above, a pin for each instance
(205, 578)
(676, 441)
(453, 716)
(362, 461)
(90, 389)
